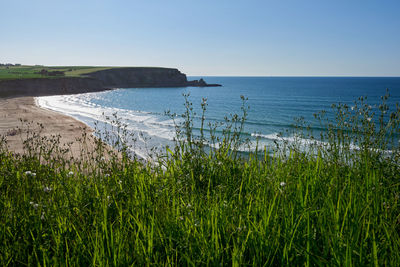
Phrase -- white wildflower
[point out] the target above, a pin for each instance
(107, 175)
(70, 173)
(180, 218)
(352, 108)
(188, 206)
(282, 184)
(119, 182)
(369, 119)
(47, 189)
(108, 197)
(34, 205)
(42, 217)
(29, 173)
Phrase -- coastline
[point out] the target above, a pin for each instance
(21, 115)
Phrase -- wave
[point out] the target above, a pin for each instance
(147, 130)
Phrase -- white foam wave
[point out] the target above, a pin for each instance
(148, 129)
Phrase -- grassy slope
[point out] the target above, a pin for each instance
(205, 209)
(26, 72)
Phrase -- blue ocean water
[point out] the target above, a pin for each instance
(274, 104)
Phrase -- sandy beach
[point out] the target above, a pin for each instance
(13, 110)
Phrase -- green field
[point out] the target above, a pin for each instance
(329, 206)
(26, 72)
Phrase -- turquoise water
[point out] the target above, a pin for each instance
(274, 103)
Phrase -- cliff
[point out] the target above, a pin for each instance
(99, 81)
(55, 86)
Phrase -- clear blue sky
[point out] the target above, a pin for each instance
(218, 37)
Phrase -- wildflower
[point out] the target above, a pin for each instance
(119, 182)
(108, 197)
(70, 173)
(42, 217)
(107, 175)
(34, 205)
(282, 184)
(29, 173)
(188, 206)
(352, 108)
(180, 218)
(368, 119)
(47, 189)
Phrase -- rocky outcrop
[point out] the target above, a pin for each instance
(99, 81)
(201, 83)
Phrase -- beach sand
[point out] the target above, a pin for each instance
(13, 110)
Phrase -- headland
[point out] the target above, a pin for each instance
(42, 80)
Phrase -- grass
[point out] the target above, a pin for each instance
(28, 72)
(329, 206)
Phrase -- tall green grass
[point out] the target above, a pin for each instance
(328, 205)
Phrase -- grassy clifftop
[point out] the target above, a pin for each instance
(29, 72)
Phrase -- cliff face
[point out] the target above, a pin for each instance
(56, 86)
(99, 81)
(141, 77)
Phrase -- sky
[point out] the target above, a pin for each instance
(207, 37)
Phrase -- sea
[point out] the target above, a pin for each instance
(273, 107)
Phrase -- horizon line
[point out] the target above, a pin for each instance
(297, 76)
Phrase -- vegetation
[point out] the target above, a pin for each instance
(27, 72)
(336, 203)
